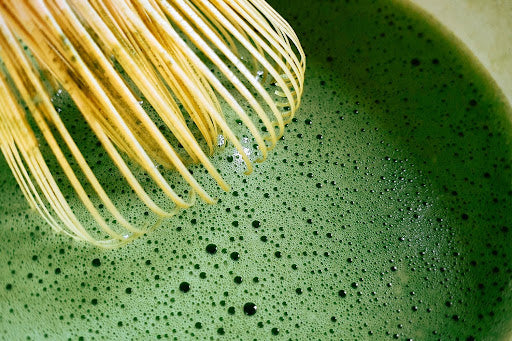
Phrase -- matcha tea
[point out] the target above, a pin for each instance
(384, 213)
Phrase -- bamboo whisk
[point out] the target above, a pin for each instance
(205, 67)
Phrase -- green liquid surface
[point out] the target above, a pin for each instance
(384, 213)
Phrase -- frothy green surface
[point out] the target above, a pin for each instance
(385, 213)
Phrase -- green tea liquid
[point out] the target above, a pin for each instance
(384, 213)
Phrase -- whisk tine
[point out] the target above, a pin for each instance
(140, 71)
(49, 112)
(258, 37)
(223, 22)
(189, 59)
(110, 119)
(178, 128)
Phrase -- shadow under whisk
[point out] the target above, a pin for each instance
(156, 85)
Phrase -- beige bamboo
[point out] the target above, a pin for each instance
(198, 64)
